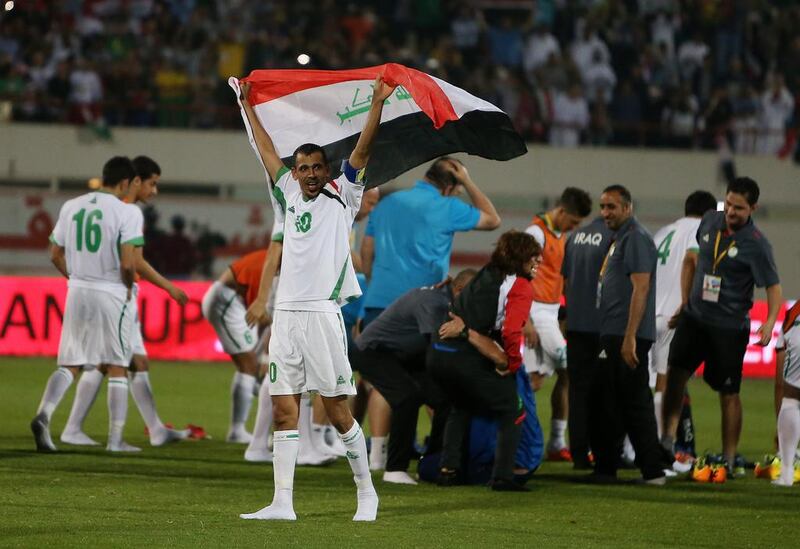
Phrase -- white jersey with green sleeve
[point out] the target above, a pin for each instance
(316, 271)
(672, 242)
(91, 229)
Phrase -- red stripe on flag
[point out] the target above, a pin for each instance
(273, 84)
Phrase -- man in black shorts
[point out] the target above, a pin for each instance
(713, 325)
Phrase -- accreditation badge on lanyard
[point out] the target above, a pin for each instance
(602, 273)
(712, 284)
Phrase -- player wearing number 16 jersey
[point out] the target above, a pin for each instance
(676, 243)
(92, 245)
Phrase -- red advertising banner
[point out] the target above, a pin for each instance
(31, 309)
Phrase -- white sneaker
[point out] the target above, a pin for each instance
(258, 456)
(122, 446)
(78, 438)
(314, 458)
(168, 435)
(399, 477)
(41, 434)
(780, 482)
(367, 507)
(271, 513)
(239, 437)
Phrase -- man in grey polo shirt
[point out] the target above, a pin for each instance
(626, 299)
(713, 325)
(583, 257)
(390, 354)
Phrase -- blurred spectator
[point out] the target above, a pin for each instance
(86, 93)
(745, 121)
(775, 111)
(627, 112)
(584, 50)
(154, 238)
(691, 57)
(679, 120)
(541, 45)
(207, 242)
(505, 43)
(179, 253)
(570, 117)
(599, 80)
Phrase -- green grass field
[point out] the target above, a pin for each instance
(190, 494)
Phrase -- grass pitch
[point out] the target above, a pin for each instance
(190, 494)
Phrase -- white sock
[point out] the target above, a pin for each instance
(285, 446)
(117, 408)
(377, 453)
(788, 437)
(658, 398)
(357, 456)
(57, 385)
(241, 398)
(557, 429)
(263, 420)
(142, 393)
(85, 395)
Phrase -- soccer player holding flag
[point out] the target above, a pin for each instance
(308, 347)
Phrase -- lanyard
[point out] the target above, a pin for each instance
(605, 260)
(718, 256)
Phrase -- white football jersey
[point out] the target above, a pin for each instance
(789, 340)
(91, 228)
(672, 243)
(316, 271)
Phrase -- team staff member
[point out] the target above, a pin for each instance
(713, 325)
(583, 257)
(626, 292)
(546, 349)
(390, 354)
(409, 236)
(480, 349)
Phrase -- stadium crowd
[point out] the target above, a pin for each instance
(671, 73)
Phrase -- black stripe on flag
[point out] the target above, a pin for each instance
(408, 141)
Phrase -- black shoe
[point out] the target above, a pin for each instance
(599, 478)
(448, 478)
(505, 485)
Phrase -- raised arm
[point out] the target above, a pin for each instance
(380, 92)
(257, 311)
(266, 149)
(489, 219)
(148, 272)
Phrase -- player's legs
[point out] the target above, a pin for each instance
(686, 352)
(379, 414)
(117, 400)
(788, 432)
(85, 394)
(731, 407)
(659, 358)
(142, 393)
(54, 391)
(353, 439)
(309, 453)
(285, 445)
(242, 395)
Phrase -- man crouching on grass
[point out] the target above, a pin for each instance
(308, 350)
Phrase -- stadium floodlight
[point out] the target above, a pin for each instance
(9, 5)
(303, 59)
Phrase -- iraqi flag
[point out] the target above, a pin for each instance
(423, 119)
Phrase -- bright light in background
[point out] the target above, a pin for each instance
(721, 206)
(95, 183)
(9, 5)
(303, 59)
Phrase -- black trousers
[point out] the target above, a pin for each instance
(405, 384)
(622, 403)
(582, 366)
(472, 386)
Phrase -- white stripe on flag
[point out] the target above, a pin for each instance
(462, 101)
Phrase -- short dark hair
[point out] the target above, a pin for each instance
(146, 167)
(746, 187)
(116, 170)
(308, 149)
(438, 175)
(621, 190)
(576, 201)
(512, 251)
(698, 203)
